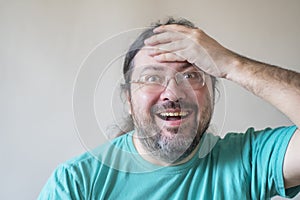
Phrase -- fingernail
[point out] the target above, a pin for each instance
(156, 30)
(148, 41)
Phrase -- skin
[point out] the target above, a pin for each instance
(141, 104)
(279, 87)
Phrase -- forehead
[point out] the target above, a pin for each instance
(143, 60)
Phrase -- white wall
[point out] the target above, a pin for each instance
(43, 43)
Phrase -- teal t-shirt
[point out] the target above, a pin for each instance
(239, 166)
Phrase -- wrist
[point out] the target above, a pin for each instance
(234, 65)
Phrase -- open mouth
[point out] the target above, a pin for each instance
(173, 115)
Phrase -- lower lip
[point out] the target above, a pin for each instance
(174, 123)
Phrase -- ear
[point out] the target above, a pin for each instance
(128, 98)
(210, 89)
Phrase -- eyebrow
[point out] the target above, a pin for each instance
(187, 65)
(163, 68)
(152, 67)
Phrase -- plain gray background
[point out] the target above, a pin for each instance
(44, 43)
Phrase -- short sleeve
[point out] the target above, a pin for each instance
(61, 185)
(268, 148)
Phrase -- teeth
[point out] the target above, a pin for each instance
(176, 114)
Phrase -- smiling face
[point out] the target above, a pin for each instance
(169, 119)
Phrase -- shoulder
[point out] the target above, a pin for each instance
(94, 157)
(72, 179)
(252, 135)
(252, 142)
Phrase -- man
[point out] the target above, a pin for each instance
(170, 73)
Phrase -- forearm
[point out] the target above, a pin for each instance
(280, 87)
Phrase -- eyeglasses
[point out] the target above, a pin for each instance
(154, 82)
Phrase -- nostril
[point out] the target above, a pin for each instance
(177, 100)
(172, 93)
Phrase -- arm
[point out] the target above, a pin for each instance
(280, 87)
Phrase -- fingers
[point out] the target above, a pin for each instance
(170, 43)
(172, 27)
(170, 33)
(169, 57)
(177, 43)
(166, 48)
(162, 38)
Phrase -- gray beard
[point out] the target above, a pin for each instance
(177, 147)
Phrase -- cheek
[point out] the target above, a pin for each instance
(198, 96)
(202, 98)
(143, 101)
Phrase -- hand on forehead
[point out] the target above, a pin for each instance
(145, 58)
(171, 43)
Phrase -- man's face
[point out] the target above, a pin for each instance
(169, 120)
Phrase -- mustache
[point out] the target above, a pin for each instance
(181, 105)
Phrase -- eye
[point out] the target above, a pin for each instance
(151, 79)
(190, 75)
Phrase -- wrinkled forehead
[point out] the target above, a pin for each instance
(143, 61)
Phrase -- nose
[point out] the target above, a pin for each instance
(172, 92)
